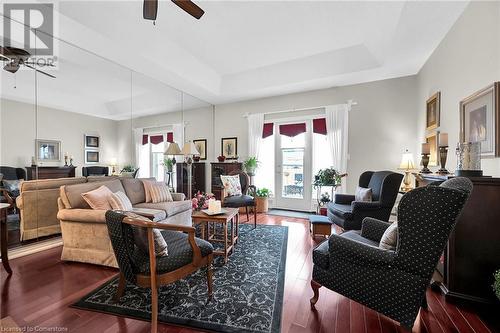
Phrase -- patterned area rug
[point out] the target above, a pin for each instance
(248, 290)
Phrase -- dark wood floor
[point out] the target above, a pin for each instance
(42, 288)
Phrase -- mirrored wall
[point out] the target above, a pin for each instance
(86, 119)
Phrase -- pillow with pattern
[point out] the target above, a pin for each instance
(231, 184)
(389, 239)
(119, 200)
(363, 194)
(12, 185)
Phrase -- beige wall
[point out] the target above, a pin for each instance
(18, 127)
(467, 60)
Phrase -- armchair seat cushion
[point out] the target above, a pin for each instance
(356, 236)
(179, 253)
(171, 208)
(236, 201)
(321, 255)
(343, 211)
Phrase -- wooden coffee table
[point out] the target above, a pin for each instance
(208, 222)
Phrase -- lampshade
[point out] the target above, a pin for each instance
(173, 149)
(113, 161)
(407, 161)
(189, 149)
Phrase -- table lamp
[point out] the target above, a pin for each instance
(407, 165)
(189, 150)
(443, 153)
(426, 151)
(113, 163)
(173, 149)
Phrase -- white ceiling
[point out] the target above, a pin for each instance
(249, 49)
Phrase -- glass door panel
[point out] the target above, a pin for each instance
(293, 173)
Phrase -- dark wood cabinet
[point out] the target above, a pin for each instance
(219, 169)
(50, 172)
(473, 250)
(197, 180)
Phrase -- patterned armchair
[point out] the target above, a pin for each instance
(348, 214)
(244, 200)
(10, 173)
(393, 282)
(186, 254)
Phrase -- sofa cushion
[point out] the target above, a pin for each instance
(171, 208)
(98, 198)
(155, 215)
(321, 255)
(159, 192)
(119, 200)
(71, 195)
(134, 189)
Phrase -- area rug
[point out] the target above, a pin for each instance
(289, 213)
(248, 290)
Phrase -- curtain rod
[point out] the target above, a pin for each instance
(349, 102)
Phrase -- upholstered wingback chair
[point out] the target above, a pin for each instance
(11, 173)
(95, 171)
(243, 200)
(393, 282)
(347, 213)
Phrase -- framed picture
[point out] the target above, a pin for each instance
(433, 110)
(201, 145)
(91, 141)
(91, 156)
(480, 120)
(433, 141)
(229, 148)
(48, 150)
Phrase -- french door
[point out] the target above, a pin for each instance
(293, 174)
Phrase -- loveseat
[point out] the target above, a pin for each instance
(84, 231)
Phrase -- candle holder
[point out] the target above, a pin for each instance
(425, 163)
(443, 155)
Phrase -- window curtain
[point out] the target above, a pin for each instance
(255, 129)
(337, 126)
(138, 140)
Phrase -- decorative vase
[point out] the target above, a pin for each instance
(469, 159)
(221, 158)
(196, 158)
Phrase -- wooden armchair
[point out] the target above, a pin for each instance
(186, 255)
(243, 200)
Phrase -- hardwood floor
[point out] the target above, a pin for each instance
(42, 288)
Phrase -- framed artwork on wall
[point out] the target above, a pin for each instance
(91, 141)
(480, 119)
(433, 111)
(48, 150)
(433, 140)
(229, 148)
(201, 146)
(91, 156)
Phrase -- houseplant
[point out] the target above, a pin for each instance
(251, 164)
(326, 177)
(496, 284)
(128, 170)
(168, 163)
(262, 200)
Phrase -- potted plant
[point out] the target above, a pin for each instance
(168, 163)
(262, 200)
(326, 177)
(496, 284)
(128, 170)
(325, 198)
(250, 165)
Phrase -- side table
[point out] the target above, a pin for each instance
(4, 207)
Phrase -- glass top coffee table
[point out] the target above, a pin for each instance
(210, 225)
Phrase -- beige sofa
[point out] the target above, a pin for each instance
(84, 231)
(37, 204)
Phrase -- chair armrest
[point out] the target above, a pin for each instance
(253, 190)
(343, 199)
(359, 253)
(82, 215)
(178, 196)
(373, 229)
(223, 194)
(173, 227)
(365, 205)
(7, 196)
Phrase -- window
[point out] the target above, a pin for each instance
(264, 176)
(321, 160)
(157, 169)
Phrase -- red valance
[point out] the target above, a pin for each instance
(292, 130)
(319, 126)
(268, 130)
(156, 139)
(170, 137)
(145, 139)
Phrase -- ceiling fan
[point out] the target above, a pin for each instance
(150, 8)
(16, 57)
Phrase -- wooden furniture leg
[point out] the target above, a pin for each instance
(121, 288)
(154, 286)
(248, 218)
(224, 225)
(315, 287)
(255, 217)
(3, 239)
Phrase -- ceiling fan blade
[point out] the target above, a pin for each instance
(150, 9)
(190, 7)
(39, 71)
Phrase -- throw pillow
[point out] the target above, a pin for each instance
(12, 185)
(119, 200)
(231, 184)
(141, 237)
(389, 239)
(159, 192)
(147, 188)
(98, 198)
(363, 194)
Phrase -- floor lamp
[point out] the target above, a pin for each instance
(189, 150)
(173, 149)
